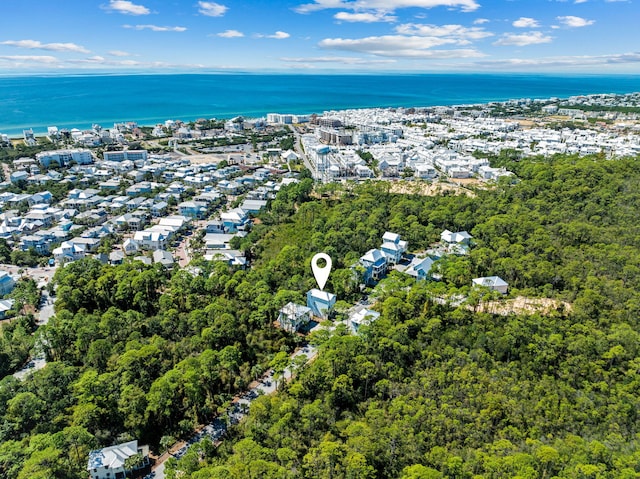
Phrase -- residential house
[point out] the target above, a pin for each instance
(193, 209)
(18, 176)
(215, 227)
(164, 258)
(362, 316)
(420, 268)
(293, 316)
(460, 237)
(374, 263)
(68, 252)
(130, 246)
(494, 283)
(90, 245)
(5, 307)
(231, 257)
(6, 283)
(151, 240)
(456, 243)
(253, 206)
(37, 242)
(109, 463)
(159, 209)
(234, 220)
(320, 303)
(116, 257)
(393, 247)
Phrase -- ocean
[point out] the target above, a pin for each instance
(78, 101)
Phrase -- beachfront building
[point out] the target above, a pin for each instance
(126, 155)
(64, 157)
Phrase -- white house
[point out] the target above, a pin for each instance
(5, 306)
(109, 463)
(130, 246)
(68, 251)
(362, 316)
(292, 316)
(494, 283)
(152, 240)
(460, 237)
(320, 303)
(393, 247)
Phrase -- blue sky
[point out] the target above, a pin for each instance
(567, 36)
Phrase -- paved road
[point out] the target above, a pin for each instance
(302, 154)
(38, 361)
(239, 409)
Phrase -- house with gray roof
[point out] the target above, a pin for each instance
(111, 462)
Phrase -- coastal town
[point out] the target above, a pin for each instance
(182, 190)
(140, 192)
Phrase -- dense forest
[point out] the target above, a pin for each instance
(427, 391)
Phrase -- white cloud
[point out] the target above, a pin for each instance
(399, 46)
(119, 53)
(126, 7)
(155, 28)
(230, 34)
(526, 22)
(47, 59)
(212, 9)
(364, 17)
(98, 61)
(457, 33)
(580, 1)
(480, 21)
(277, 35)
(343, 60)
(575, 22)
(36, 45)
(385, 5)
(523, 39)
(564, 61)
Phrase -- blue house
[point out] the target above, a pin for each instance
(234, 220)
(6, 283)
(420, 268)
(320, 303)
(193, 209)
(374, 263)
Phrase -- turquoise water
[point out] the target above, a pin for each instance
(78, 101)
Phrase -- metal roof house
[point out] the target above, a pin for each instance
(292, 316)
(494, 283)
(109, 463)
(320, 303)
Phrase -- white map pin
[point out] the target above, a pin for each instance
(321, 274)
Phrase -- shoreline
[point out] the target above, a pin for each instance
(152, 122)
(79, 101)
